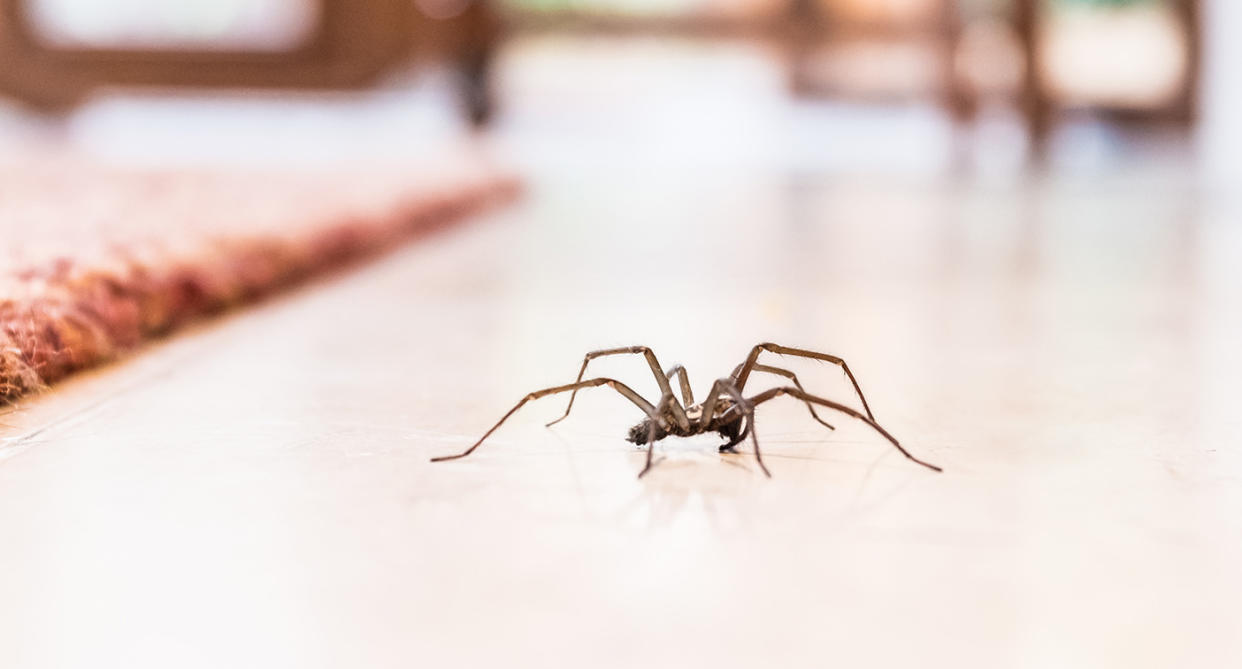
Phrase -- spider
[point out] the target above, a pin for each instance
(725, 411)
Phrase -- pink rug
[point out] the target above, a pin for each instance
(94, 261)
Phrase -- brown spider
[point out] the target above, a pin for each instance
(725, 410)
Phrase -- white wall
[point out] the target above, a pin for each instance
(1220, 133)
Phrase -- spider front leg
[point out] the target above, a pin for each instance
(679, 413)
(792, 377)
(625, 391)
(664, 403)
(807, 397)
(687, 395)
(726, 386)
(744, 372)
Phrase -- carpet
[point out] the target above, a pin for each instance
(96, 261)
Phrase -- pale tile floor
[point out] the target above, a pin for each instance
(257, 492)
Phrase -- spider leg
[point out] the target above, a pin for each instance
(726, 386)
(792, 377)
(806, 397)
(625, 391)
(737, 438)
(679, 413)
(709, 404)
(754, 439)
(664, 402)
(687, 395)
(746, 368)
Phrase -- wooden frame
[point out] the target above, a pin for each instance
(1039, 107)
(352, 43)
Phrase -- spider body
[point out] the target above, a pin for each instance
(726, 410)
(726, 422)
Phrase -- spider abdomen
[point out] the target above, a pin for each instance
(641, 433)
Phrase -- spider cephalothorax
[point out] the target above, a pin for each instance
(725, 411)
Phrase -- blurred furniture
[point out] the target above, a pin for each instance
(857, 49)
(1044, 56)
(1126, 60)
(351, 44)
(1041, 97)
(885, 51)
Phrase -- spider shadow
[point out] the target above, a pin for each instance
(691, 479)
(677, 487)
(708, 484)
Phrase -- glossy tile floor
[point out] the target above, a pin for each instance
(257, 493)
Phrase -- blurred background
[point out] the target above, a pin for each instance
(910, 85)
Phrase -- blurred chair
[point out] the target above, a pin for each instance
(349, 44)
(1132, 62)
